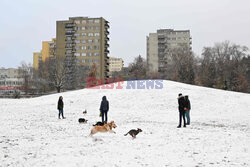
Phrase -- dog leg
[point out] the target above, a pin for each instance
(111, 131)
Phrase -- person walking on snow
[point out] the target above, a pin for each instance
(187, 109)
(60, 107)
(181, 102)
(104, 108)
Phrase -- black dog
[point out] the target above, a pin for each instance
(84, 112)
(82, 120)
(99, 124)
(133, 132)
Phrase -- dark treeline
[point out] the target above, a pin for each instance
(223, 66)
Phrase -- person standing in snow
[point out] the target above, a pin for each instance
(181, 102)
(187, 109)
(104, 108)
(60, 107)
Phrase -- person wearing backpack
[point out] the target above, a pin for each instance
(104, 108)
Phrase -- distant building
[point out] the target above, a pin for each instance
(87, 39)
(161, 45)
(48, 51)
(10, 81)
(115, 64)
(37, 57)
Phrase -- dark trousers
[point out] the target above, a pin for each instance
(105, 113)
(182, 115)
(60, 113)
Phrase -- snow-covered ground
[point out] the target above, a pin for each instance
(219, 135)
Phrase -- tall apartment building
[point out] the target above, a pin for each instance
(48, 51)
(161, 45)
(115, 64)
(86, 39)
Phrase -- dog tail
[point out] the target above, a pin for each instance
(126, 134)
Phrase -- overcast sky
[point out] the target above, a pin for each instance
(26, 23)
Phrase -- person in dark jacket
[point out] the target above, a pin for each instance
(181, 102)
(187, 109)
(60, 107)
(104, 108)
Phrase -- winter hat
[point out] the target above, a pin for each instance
(180, 94)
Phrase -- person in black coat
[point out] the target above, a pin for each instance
(104, 108)
(60, 107)
(187, 109)
(181, 102)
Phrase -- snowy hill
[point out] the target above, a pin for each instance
(219, 134)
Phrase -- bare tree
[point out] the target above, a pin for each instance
(26, 71)
(138, 69)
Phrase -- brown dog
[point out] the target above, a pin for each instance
(105, 128)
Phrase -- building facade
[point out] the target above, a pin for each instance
(115, 64)
(86, 39)
(164, 43)
(48, 51)
(10, 81)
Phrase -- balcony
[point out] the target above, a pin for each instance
(69, 25)
(69, 34)
(106, 24)
(106, 51)
(107, 32)
(107, 38)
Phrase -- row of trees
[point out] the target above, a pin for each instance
(224, 66)
(53, 74)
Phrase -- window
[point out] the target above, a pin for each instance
(83, 54)
(84, 47)
(91, 21)
(83, 60)
(96, 47)
(90, 47)
(84, 21)
(173, 38)
(96, 53)
(77, 28)
(90, 41)
(96, 40)
(77, 34)
(97, 34)
(97, 21)
(83, 28)
(83, 41)
(77, 54)
(77, 21)
(84, 34)
(96, 27)
(90, 54)
(91, 28)
(90, 34)
(78, 47)
(77, 41)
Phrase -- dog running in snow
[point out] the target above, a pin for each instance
(133, 132)
(84, 112)
(82, 120)
(105, 128)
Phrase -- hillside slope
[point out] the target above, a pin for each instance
(219, 134)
